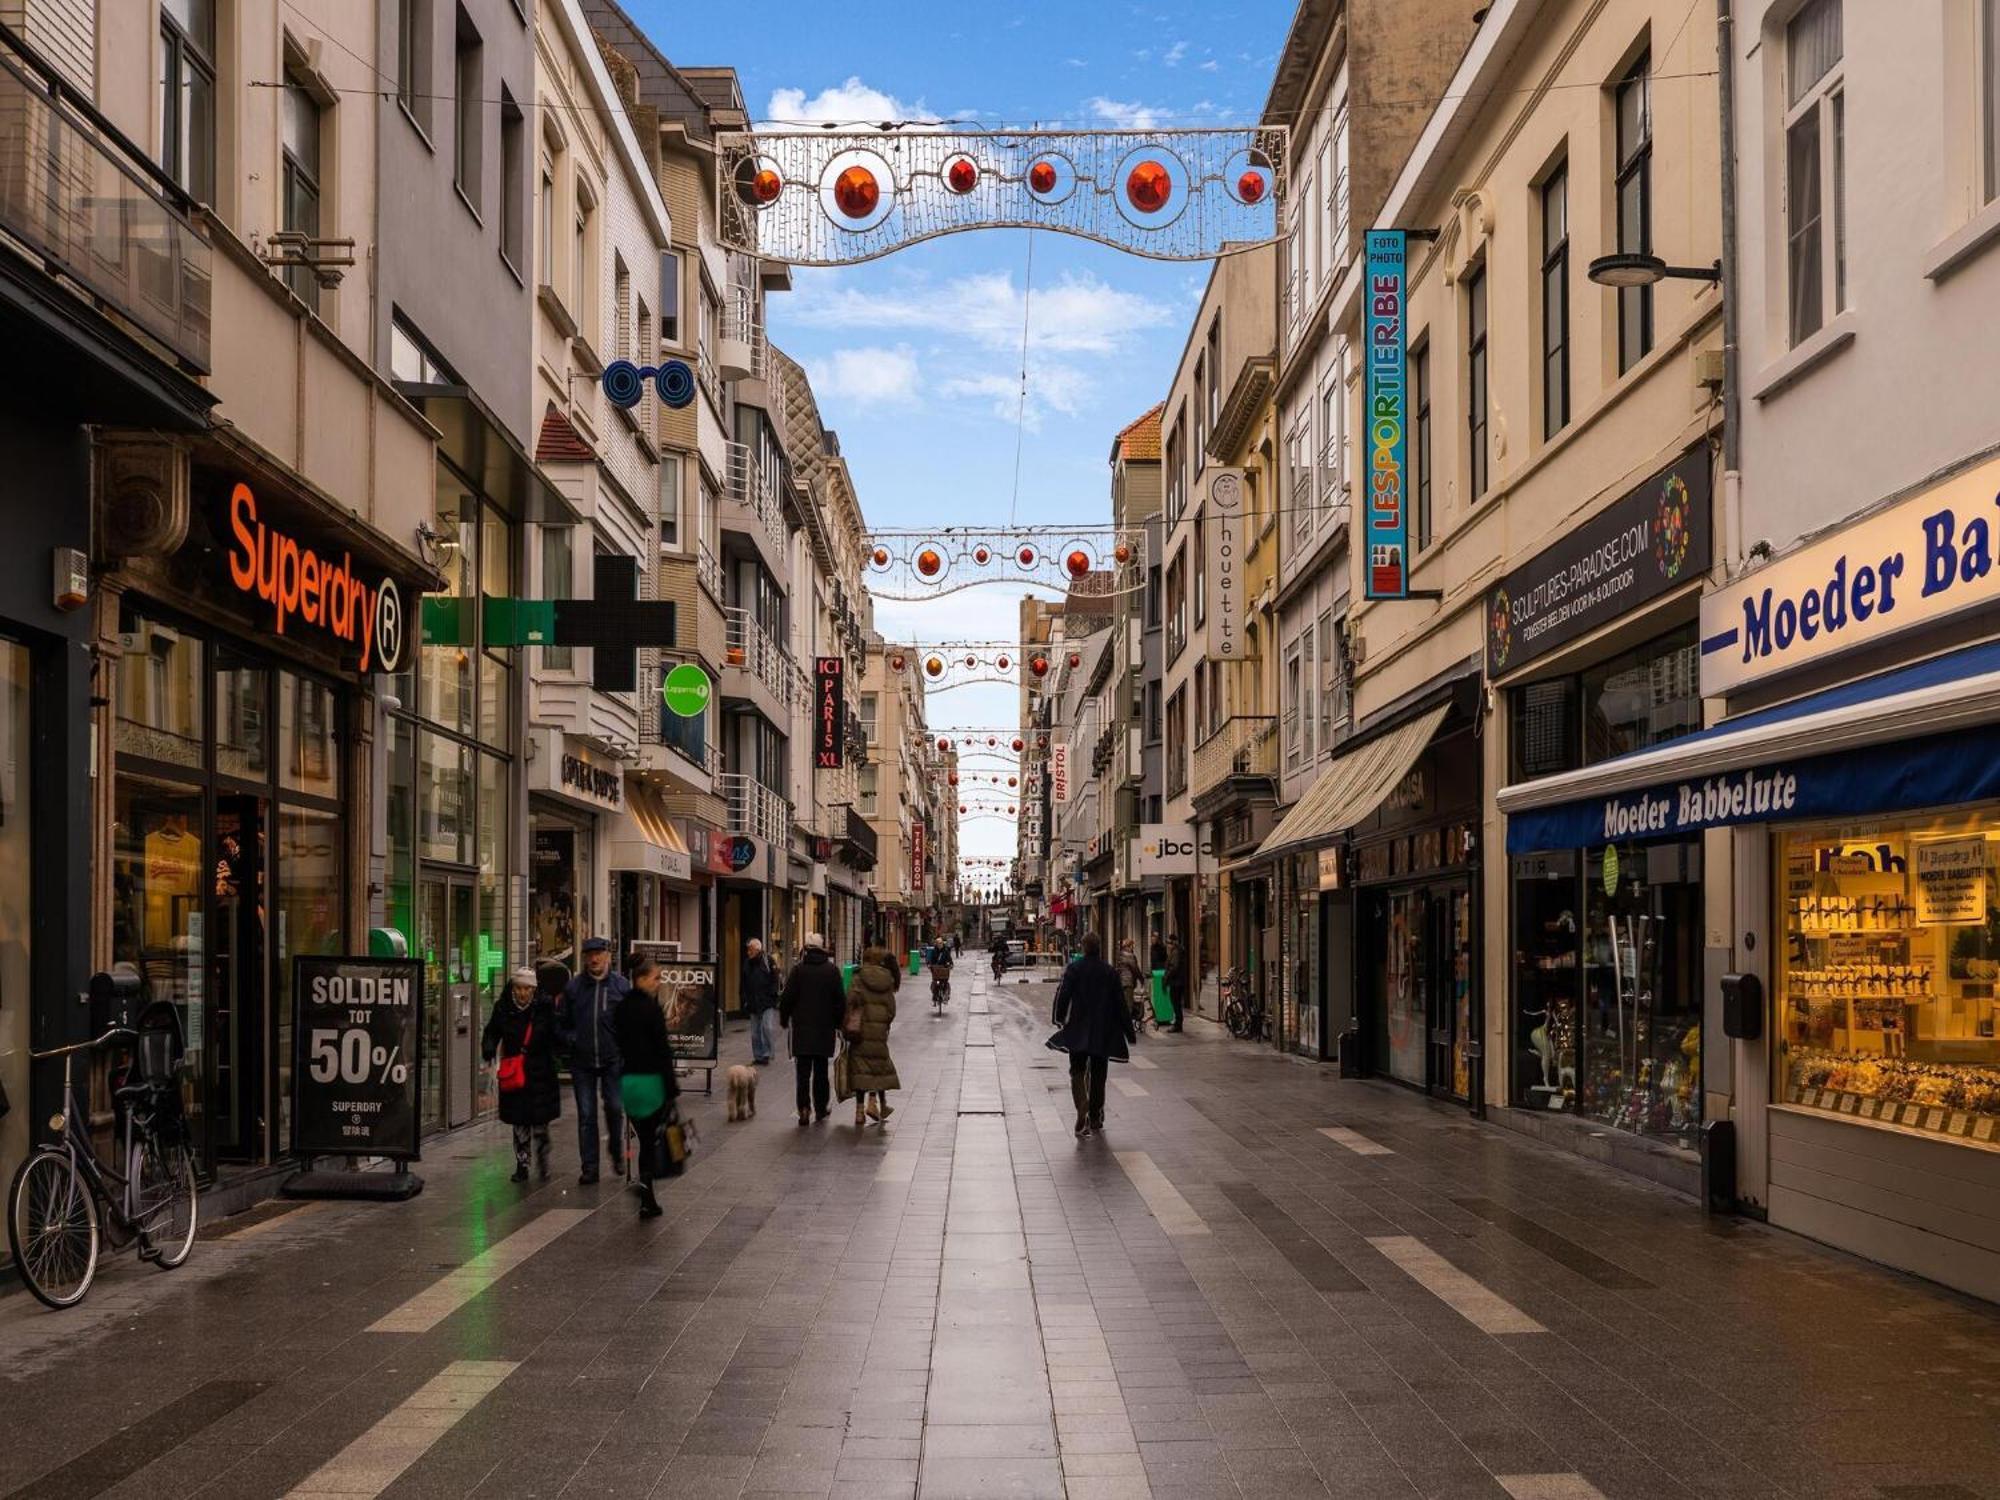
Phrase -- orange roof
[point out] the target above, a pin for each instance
(1140, 440)
(559, 441)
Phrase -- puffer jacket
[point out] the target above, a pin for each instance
(588, 1017)
(870, 1069)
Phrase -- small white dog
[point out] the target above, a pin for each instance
(742, 1092)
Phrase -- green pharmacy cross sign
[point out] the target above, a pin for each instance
(614, 623)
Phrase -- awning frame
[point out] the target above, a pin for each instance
(1353, 784)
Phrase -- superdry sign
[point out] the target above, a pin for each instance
(1644, 544)
(320, 591)
(1915, 563)
(829, 711)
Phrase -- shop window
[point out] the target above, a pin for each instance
(1639, 1065)
(241, 736)
(1644, 698)
(309, 921)
(444, 800)
(160, 693)
(17, 916)
(1546, 970)
(158, 902)
(1886, 995)
(308, 731)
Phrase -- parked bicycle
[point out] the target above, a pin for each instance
(65, 1204)
(1242, 1008)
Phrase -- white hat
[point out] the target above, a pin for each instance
(527, 977)
(815, 940)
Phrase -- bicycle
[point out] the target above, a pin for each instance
(940, 988)
(64, 1202)
(1240, 1011)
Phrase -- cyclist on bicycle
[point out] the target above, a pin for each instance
(940, 961)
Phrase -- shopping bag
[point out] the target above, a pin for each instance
(841, 1089)
(511, 1075)
(1163, 1007)
(679, 1139)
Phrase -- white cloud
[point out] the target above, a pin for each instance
(1052, 386)
(866, 377)
(1211, 66)
(1078, 314)
(852, 102)
(1120, 115)
(1075, 62)
(1174, 54)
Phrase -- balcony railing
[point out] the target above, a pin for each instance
(860, 845)
(754, 809)
(744, 355)
(751, 488)
(1245, 745)
(69, 194)
(749, 647)
(708, 571)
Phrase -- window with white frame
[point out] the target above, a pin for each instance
(545, 230)
(621, 308)
(558, 582)
(1200, 454)
(670, 499)
(1815, 111)
(1309, 684)
(868, 710)
(1332, 441)
(1335, 704)
(1338, 191)
(1326, 254)
(1292, 685)
(670, 297)
(1298, 466)
(1307, 222)
(1215, 376)
(867, 786)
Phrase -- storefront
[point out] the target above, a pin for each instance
(1595, 647)
(653, 894)
(241, 772)
(575, 792)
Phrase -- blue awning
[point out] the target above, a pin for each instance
(1925, 735)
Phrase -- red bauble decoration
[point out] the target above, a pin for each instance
(1039, 665)
(972, 661)
(1078, 563)
(961, 807)
(1010, 781)
(880, 556)
(1042, 177)
(1010, 809)
(765, 187)
(1002, 663)
(929, 562)
(1122, 552)
(934, 665)
(943, 744)
(1250, 186)
(898, 662)
(1020, 745)
(953, 778)
(1075, 660)
(981, 556)
(991, 740)
(856, 192)
(962, 176)
(1149, 185)
(1026, 557)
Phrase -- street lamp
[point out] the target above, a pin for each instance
(1626, 269)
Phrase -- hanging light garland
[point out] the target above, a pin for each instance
(1092, 560)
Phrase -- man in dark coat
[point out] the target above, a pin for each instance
(1095, 1026)
(1177, 978)
(760, 998)
(589, 1028)
(523, 1025)
(811, 1008)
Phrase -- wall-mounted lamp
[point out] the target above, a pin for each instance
(1624, 270)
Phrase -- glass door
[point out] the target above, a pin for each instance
(236, 960)
(446, 939)
(1449, 1000)
(1408, 986)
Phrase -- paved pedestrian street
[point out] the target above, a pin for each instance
(1257, 1281)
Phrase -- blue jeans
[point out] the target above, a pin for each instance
(764, 1034)
(588, 1084)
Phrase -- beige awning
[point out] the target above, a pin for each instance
(1353, 786)
(643, 836)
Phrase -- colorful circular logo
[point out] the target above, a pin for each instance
(1500, 628)
(1670, 527)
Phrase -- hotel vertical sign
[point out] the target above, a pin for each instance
(829, 712)
(1384, 406)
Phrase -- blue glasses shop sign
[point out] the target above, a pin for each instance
(625, 383)
(1913, 564)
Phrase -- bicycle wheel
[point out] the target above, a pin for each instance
(52, 1228)
(168, 1206)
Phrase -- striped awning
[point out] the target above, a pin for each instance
(644, 837)
(1353, 786)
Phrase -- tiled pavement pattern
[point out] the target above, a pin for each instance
(1259, 1282)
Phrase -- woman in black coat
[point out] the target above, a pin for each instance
(813, 1005)
(1094, 1026)
(640, 1022)
(523, 1026)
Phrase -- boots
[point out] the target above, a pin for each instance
(649, 1206)
(1079, 1090)
(542, 1158)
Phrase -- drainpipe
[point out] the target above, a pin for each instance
(1732, 390)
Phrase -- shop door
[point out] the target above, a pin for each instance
(447, 937)
(1448, 988)
(237, 1074)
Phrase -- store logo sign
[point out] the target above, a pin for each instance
(304, 586)
(1740, 797)
(1384, 367)
(1911, 565)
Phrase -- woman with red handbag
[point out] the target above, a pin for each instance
(520, 1040)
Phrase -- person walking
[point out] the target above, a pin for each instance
(1134, 979)
(647, 1086)
(871, 1072)
(760, 998)
(1094, 1026)
(520, 1041)
(1177, 978)
(588, 1029)
(810, 1008)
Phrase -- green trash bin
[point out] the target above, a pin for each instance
(847, 975)
(916, 960)
(1163, 1008)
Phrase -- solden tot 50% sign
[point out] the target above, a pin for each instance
(348, 1057)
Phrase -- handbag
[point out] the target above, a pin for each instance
(511, 1074)
(842, 1068)
(850, 1023)
(679, 1140)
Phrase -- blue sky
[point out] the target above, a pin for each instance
(916, 358)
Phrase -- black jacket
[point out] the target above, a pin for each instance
(812, 1005)
(1156, 956)
(541, 1101)
(760, 983)
(641, 1025)
(587, 1008)
(1091, 1013)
